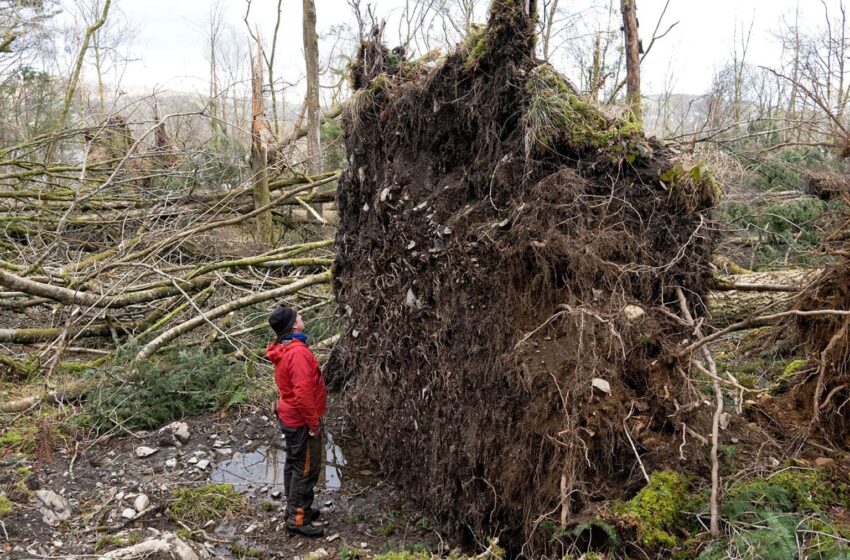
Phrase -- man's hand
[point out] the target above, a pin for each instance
(313, 433)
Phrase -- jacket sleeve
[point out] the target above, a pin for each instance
(303, 387)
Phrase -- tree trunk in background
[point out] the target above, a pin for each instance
(795, 76)
(75, 74)
(595, 81)
(549, 19)
(632, 43)
(270, 65)
(311, 57)
(213, 89)
(260, 150)
(217, 109)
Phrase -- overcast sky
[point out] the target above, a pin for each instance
(169, 42)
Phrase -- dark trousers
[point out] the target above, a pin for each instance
(301, 471)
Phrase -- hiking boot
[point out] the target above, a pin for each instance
(312, 515)
(306, 530)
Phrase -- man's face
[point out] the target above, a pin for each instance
(298, 326)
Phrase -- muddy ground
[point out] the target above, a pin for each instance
(102, 481)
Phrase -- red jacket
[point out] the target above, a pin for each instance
(303, 397)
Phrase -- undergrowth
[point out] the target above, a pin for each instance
(787, 231)
(790, 514)
(165, 388)
(492, 552)
(782, 516)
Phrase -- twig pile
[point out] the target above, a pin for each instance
(138, 241)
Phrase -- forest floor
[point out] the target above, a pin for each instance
(104, 484)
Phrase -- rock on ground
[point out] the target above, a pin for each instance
(167, 543)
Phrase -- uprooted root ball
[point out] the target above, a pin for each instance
(503, 255)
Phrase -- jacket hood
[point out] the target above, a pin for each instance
(275, 352)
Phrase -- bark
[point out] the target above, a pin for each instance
(63, 394)
(736, 297)
(727, 307)
(47, 334)
(632, 44)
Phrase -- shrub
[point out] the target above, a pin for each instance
(163, 389)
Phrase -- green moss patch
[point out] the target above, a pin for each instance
(657, 508)
(5, 506)
(474, 45)
(11, 438)
(403, 555)
(107, 542)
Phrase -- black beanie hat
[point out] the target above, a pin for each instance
(282, 319)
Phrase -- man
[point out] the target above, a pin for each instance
(302, 403)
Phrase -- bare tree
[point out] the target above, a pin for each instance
(260, 149)
(311, 59)
(549, 11)
(269, 59)
(214, 33)
(75, 73)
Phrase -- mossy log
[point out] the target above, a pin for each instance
(46, 334)
(62, 394)
(744, 295)
(74, 297)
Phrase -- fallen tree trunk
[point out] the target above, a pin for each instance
(46, 334)
(61, 395)
(74, 297)
(229, 307)
(734, 298)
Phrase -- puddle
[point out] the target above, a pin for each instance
(264, 467)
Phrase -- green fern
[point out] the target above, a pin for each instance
(588, 526)
(770, 519)
(776, 539)
(753, 496)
